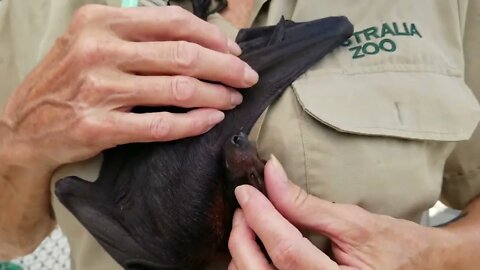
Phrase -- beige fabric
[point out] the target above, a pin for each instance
(462, 175)
(370, 126)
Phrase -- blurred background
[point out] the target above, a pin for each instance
(52, 254)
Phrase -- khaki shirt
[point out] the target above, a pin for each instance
(385, 122)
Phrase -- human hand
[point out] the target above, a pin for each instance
(360, 240)
(77, 102)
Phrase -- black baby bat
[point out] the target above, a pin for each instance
(202, 8)
(168, 205)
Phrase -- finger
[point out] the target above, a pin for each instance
(331, 219)
(180, 91)
(243, 246)
(286, 246)
(171, 23)
(125, 128)
(184, 58)
(231, 266)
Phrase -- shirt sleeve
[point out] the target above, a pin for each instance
(8, 70)
(462, 172)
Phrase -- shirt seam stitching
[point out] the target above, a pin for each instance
(301, 116)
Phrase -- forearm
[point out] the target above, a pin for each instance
(25, 212)
(466, 231)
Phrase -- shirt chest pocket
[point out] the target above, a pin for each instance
(412, 105)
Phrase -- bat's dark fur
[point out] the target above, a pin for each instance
(201, 8)
(167, 205)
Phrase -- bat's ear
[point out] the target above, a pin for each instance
(94, 209)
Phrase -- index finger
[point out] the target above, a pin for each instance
(171, 23)
(286, 246)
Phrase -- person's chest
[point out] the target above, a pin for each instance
(372, 124)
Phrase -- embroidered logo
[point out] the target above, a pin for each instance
(373, 40)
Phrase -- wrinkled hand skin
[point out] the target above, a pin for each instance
(77, 102)
(360, 239)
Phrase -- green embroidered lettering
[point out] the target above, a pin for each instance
(372, 41)
(387, 30)
(414, 30)
(392, 45)
(374, 46)
(405, 28)
(397, 31)
(357, 52)
(371, 32)
(358, 39)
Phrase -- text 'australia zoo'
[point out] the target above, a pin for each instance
(374, 40)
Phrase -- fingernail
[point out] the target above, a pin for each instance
(281, 174)
(243, 194)
(250, 75)
(216, 117)
(236, 98)
(234, 48)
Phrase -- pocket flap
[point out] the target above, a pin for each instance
(411, 105)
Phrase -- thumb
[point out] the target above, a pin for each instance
(307, 211)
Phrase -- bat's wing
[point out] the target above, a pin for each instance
(280, 54)
(93, 205)
(202, 8)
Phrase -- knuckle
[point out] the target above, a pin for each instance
(85, 15)
(237, 67)
(159, 128)
(383, 223)
(94, 89)
(361, 234)
(285, 255)
(183, 88)
(362, 226)
(301, 198)
(90, 84)
(185, 55)
(87, 51)
(225, 98)
(218, 35)
(178, 15)
(87, 131)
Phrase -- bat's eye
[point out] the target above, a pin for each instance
(240, 140)
(236, 139)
